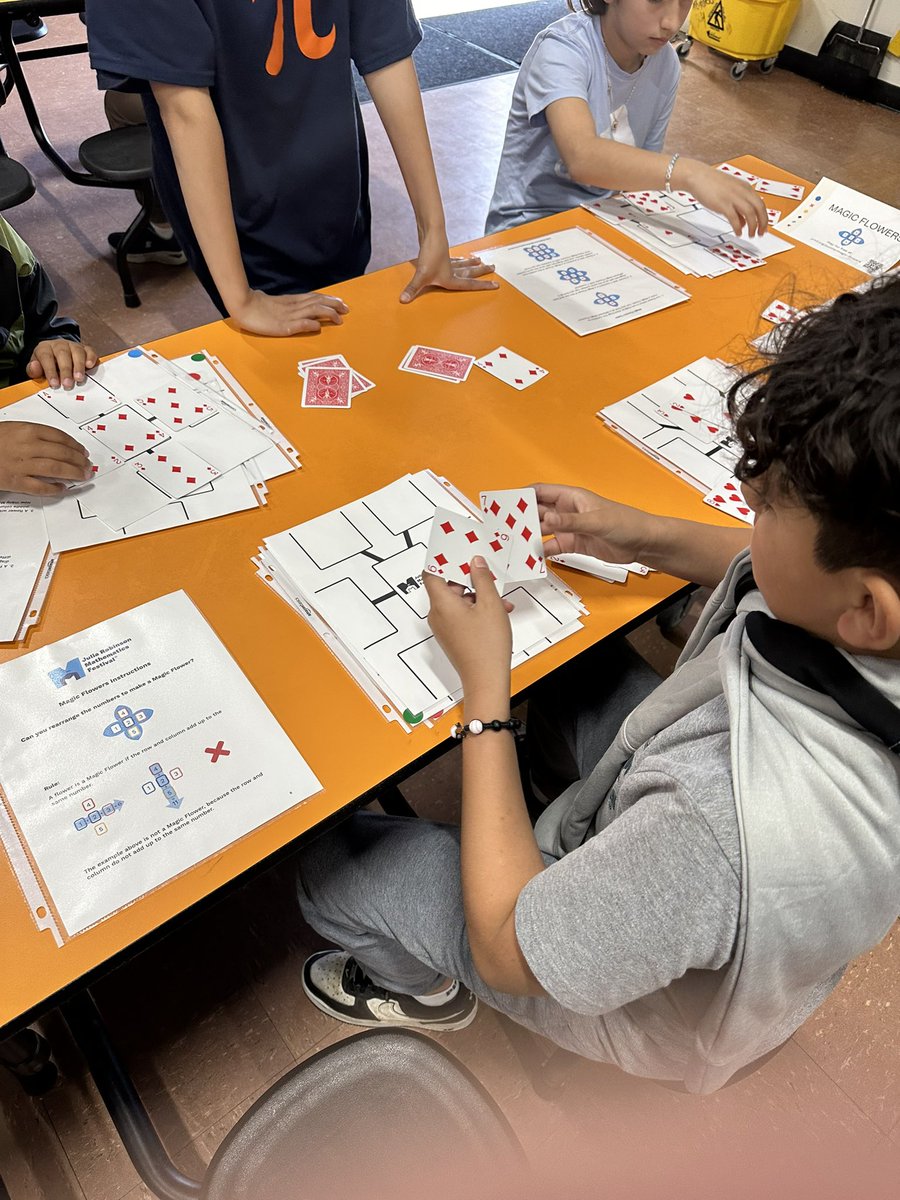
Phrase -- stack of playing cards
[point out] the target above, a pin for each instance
(355, 576)
(682, 422)
(437, 364)
(677, 227)
(330, 382)
(170, 443)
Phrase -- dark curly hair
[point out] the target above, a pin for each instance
(820, 425)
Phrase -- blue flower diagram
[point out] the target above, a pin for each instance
(129, 722)
(611, 299)
(541, 252)
(851, 237)
(574, 275)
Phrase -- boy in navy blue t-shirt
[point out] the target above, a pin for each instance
(259, 148)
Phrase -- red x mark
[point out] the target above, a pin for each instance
(216, 750)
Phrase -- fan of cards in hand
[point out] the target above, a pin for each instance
(508, 538)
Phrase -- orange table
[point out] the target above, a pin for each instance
(479, 434)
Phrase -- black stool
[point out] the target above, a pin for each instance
(16, 184)
(380, 1109)
(123, 158)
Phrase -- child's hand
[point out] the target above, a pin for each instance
(34, 458)
(59, 360)
(739, 203)
(284, 316)
(581, 522)
(435, 268)
(472, 630)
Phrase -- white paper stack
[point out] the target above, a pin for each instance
(170, 443)
(355, 576)
(681, 421)
(26, 565)
(688, 236)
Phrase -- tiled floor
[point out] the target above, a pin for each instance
(214, 1014)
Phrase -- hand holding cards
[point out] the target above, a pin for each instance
(508, 538)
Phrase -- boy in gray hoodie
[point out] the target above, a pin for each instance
(723, 842)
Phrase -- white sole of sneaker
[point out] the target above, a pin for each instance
(393, 1022)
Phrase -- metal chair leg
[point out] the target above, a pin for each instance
(124, 1105)
(132, 299)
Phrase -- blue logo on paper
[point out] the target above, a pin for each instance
(128, 722)
(851, 237)
(73, 669)
(541, 252)
(609, 298)
(574, 275)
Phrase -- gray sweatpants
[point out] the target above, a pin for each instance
(388, 889)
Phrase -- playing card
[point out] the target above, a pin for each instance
(729, 498)
(511, 368)
(439, 364)
(175, 405)
(737, 173)
(453, 543)
(174, 470)
(83, 403)
(774, 215)
(358, 383)
(740, 259)
(650, 202)
(126, 432)
(780, 312)
(327, 387)
(514, 512)
(772, 187)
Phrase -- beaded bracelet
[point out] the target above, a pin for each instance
(514, 725)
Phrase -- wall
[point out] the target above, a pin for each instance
(816, 18)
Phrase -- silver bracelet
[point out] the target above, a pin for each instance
(669, 169)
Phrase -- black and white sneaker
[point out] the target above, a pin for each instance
(337, 984)
(152, 248)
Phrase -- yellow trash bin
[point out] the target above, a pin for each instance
(745, 30)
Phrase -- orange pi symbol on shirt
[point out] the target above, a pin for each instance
(308, 41)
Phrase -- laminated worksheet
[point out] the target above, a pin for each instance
(24, 551)
(582, 281)
(847, 225)
(129, 753)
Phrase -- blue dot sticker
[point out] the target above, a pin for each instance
(135, 354)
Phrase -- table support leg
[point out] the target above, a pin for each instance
(124, 1105)
(394, 802)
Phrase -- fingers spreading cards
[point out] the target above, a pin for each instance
(509, 367)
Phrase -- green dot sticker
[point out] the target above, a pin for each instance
(411, 718)
(198, 358)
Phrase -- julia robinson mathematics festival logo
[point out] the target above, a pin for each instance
(73, 669)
